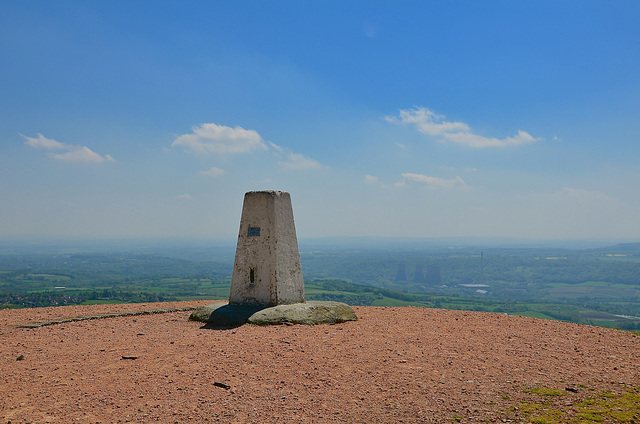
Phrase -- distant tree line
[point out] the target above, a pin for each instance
(60, 298)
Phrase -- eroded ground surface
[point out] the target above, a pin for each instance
(393, 365)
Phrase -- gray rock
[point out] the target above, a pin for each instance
(309, 313)
(223, 314)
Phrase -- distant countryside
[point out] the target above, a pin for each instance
(594, 286)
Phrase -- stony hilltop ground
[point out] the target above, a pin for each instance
(393, 365)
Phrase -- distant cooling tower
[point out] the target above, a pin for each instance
(433, 275)
(401, 275)
(418, 277)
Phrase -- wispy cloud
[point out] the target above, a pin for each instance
(370, 179)
(298, 162)
(428, 181)
(220, 140)
(580, 194)
(82, 154)
(213, 172)
(426, 121)
(73, 153)
(474, 140)
(429, 123)
(276, 147)
(42, 142)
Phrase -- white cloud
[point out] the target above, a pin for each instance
(474, 140)
(219, 139)
(370, 179)
(185, 196)
(299, 162)
(427, 122)
(430, 123)
(82, 154)
(78, 154)
(276, 147)
(213, 172)
(431, 181)
(42, 142)
(579, 193)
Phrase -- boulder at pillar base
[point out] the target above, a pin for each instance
(220, 314)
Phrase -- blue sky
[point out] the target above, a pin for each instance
(405, 118)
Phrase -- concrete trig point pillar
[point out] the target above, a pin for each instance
(267, 285)
(266, 270)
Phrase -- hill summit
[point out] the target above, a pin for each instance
(392, 365)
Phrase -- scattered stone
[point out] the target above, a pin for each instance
(129, 357)
(20, 358)
(222, 385)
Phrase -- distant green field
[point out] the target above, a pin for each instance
(594, 284)
(534, 314)
(593, 291)
(212, 298)
(625, 286)
(583, 286)
(387, 301)
(173, 280)
(101, 302)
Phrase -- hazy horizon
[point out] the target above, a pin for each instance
(92, 244)
(442, 120)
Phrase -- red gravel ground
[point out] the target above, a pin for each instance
(393, 365)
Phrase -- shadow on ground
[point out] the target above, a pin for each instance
(223, 316)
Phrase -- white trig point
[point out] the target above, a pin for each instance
(267, 285)
(267, 269)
